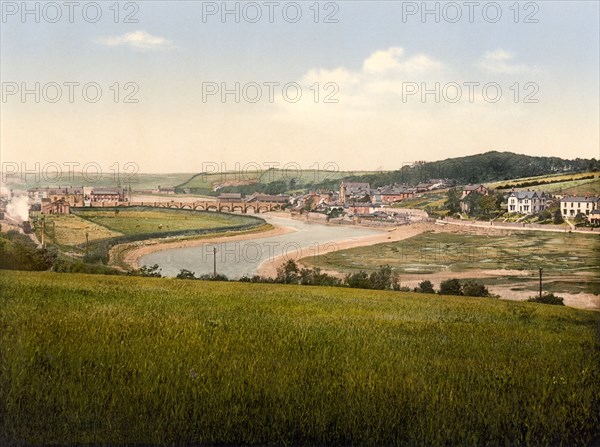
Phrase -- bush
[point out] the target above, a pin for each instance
(558, 219)
(359, 280)
(472, 288)
(186, 274)
(450, 287)
(149, 272)
(210, 277)
(425, 287)
(548, 298)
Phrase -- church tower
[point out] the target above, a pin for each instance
(343, 193)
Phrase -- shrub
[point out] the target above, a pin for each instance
(472, 288)
(358, 280)
(384, 279)
(450, 287)
(548, 298)
(217, 277)
(186, 274)
(425, 287)
(149, 272)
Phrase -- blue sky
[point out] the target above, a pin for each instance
(370, 54)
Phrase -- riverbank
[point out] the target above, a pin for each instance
(130, 254)
(269, 267)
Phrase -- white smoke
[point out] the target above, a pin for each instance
(18, 208)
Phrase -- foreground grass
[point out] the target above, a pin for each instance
(127, 360)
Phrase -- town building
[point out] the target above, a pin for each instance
(526, 202)
(392, 194)
(571, 206)
(107, 194)
(594, 217)
(230, 197)
(59, 206)
(256, 197)
(465, 207)
(74, 196)
(353, 190)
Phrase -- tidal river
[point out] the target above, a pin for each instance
(238, 258)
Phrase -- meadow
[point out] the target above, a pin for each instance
(71, 230)
(129, 360)
(131, 221)
(560, 254)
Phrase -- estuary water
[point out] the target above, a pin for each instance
(238, 258)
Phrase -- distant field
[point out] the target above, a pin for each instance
(140, 221)
(300, 177)
(557, 253)
(426, 201)
(108, 178)
(545, 178)
(122, 360)
(580, 188)
(70, 230)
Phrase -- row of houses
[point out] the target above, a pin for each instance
(534, 202)
(61, 200)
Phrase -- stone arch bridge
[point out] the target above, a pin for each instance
(201, 205)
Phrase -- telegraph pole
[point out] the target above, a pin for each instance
(215, 262)
(87, 243)
(541, 269)
(43, 230)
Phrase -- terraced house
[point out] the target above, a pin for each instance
(526, 202)
(571, 206)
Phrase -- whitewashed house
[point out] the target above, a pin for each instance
(571, 206)
(527, 202)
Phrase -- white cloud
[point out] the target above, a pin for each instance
(392, 61)
(137, 40)
(502, 62)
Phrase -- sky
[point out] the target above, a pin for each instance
(179, 86)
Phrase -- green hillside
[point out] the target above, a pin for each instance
(138, 181)
(141, 361)
(271, 181)
(481, 168)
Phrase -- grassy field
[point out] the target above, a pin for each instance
(125, 360)
(429, 201)
(140, 221)
(302, 177)
(70, 230)
(562, 254)
(106, 178)
(561, 178)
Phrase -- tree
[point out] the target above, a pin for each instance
(309, 204)
(472, 288)
(426, 287)
(453, 201)
(558, 219)
(359, 280)
(288, 273)
(276, 187)
(580, 219)
(384, 279)
(450, 287)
